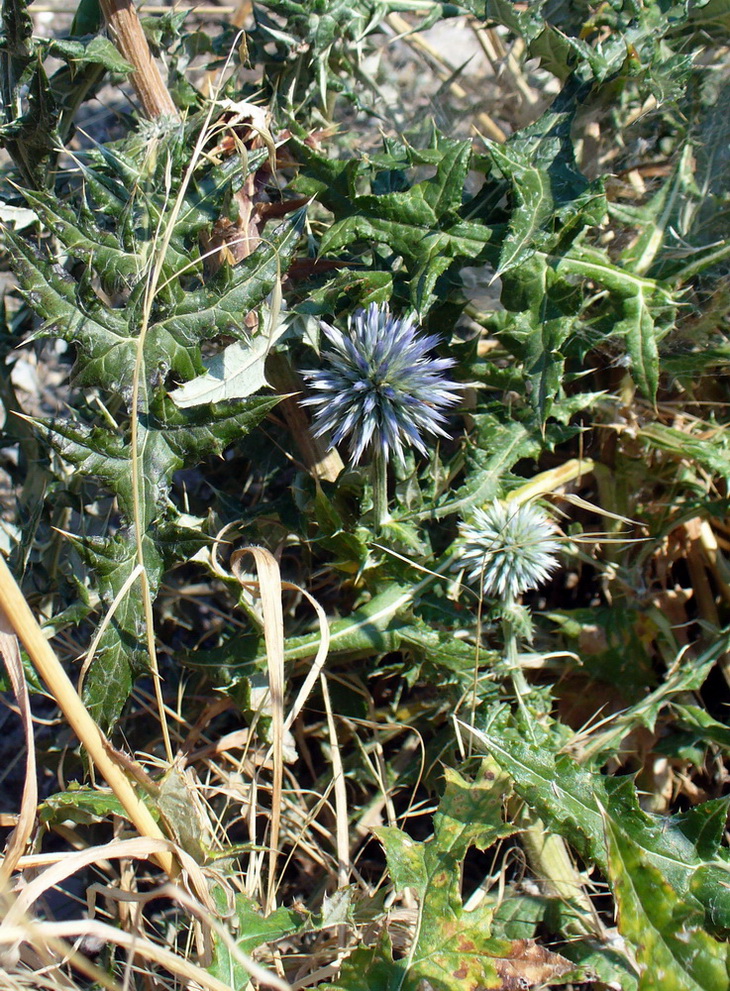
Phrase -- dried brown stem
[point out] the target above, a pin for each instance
(126, 31)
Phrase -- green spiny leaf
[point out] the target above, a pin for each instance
(81, 805)
(252, 929)
(210, 311)
(90, 51)
(86, 241)
(535, 208)
(575, 801)
(672, 949)
(710, 454)
(499, 448)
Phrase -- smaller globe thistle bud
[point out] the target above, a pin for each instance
(508, 549)
(380, 390)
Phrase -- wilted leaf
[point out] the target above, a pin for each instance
(235, 373)
(181, 809)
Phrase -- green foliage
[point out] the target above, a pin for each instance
(81, 805)
(452, 948)
(250, 930)
(673, 950)
(133, 352)
(577, 802)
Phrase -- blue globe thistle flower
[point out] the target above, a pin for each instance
(508, 549)
(380, 388)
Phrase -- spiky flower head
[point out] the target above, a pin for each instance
(380, 386)
(508, 549)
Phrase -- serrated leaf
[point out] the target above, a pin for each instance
(111, 676)
(90, 51)
(524, 21)
(704, 825)
(422, 223)
(251, 929)
(644, 308)
(107, 348)
(553, 198)
(80, 805)
(637, 326)
(534, 209)
(221, 309)
(711, 454)
(501, 446)
(406, 861)
(575, 803)
(538, 331)
(453, 949)
(121, 652)
(86, 241)
(176, 439)
(17, 29)
(673, 951)
(197, 433)
(470, 812)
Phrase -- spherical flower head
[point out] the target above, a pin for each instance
(380, 387)
(509, 549)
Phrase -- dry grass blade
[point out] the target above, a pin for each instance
(136, 848)
(317, 663)
(549, 481)
(41, 933)
(269, 585)
(338, 777)
(21, 834)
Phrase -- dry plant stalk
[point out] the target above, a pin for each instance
(50, 670)
(270, 586)
(324, 464)
(126, 31)
(20, 836)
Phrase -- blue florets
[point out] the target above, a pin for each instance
(380, 386)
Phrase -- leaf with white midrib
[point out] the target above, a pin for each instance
(673, 951)
(570, 799)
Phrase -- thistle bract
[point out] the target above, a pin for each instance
(508, 549)
(380, 386)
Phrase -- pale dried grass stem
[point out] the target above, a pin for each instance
(51, 671)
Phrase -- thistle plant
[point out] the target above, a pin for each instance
(508, 550)
(381, 391)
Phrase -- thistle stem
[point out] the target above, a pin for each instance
(379, 470)
(549, 858)
(519, 682)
